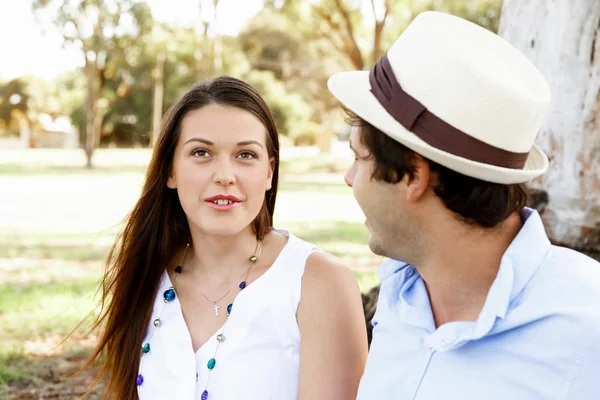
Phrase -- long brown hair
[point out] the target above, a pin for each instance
(154, 230)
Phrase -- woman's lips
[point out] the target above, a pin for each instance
(224, 207)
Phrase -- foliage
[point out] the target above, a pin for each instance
(290, 111)
(288, 51)
(13, 99)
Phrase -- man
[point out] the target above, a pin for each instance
(475, 303)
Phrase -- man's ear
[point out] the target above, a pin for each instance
(421, 178)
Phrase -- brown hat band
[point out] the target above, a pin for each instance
(428, 127)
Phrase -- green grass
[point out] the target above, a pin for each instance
(322, 233)
(54, 251)
(42, 309)
(58, 246)
(347, 241)
(36, 318)
(318, 164)
(15, 367)
(62, 170)
(341, 188)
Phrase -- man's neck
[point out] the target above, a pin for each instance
(462, 266)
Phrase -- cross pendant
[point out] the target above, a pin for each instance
(216, 309)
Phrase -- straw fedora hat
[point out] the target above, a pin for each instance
(457, 94)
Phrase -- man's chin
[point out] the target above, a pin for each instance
(375, 246)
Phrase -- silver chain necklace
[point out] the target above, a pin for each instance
(215, 303)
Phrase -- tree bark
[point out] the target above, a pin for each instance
(561, 39)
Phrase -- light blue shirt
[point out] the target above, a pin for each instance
(537, 336)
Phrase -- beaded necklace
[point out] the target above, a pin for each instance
(170, 294)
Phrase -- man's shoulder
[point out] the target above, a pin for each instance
(577, 268)
(567, 279)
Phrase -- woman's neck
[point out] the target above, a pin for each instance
(220, 256)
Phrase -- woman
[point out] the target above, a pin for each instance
(204, 299)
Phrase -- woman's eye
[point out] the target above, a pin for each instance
(247, 155)
(200, 153)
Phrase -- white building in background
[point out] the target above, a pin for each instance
(56, 133)
(50, 133)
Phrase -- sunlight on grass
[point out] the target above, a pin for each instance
(319, 163)
(38, 310)
(317, 187)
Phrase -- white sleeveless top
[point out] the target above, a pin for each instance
(260, 357)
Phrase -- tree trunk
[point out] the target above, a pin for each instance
(561, 39)
(377, 41)
(91, 111)
(158, 97)
(24, 129)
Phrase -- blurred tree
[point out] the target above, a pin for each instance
(362, 30)
(300, 67)
(485, 13)
(14, 98)
(305, 42)
(14, 107)
(344, 25)
(98, 28)
(291, 112)
(211, 41)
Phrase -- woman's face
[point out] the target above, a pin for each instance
(221, 169)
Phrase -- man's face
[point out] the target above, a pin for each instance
(383, 203)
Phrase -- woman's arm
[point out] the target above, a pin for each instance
(333, 347)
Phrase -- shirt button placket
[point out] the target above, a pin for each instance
(418, 373)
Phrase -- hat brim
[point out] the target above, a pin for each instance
(353, 90)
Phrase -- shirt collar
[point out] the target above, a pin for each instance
(518, 264)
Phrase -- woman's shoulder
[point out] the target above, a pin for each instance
(324, 270)
(319, 264)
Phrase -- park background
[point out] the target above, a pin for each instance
(84, 83)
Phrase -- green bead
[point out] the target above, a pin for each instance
(221, 337)
(211, 363)
(157, 322)
(146, 348)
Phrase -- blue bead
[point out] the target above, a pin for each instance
(169, 295)
(229, 307)
(204, 395)
(243, 285)
(178, 269)
(146, 348)
(211, 363)
(139, 380)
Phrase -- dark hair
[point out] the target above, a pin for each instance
(472, 200)
(154, 230)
